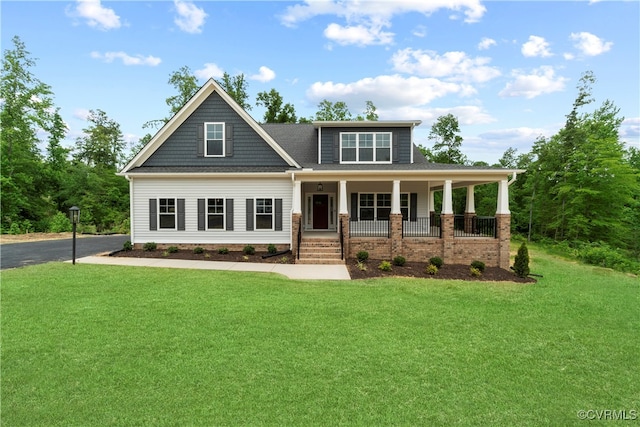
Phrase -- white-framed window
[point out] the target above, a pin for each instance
(167, 214)
(365, 147)
(215, 214)
(214, 139)
(378, 205)
(264, 214)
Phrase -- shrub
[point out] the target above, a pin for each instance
(362, 256)
(127, 246)
(60, 223)
(284, 260)
(198, 250)
(207, 255)
(249, 250)
(521, 263)
(14, 228)
(245, 258)
(149, 246)
(165, 253)
(362, 266)
(272, 249)
(399, 260)
(475, 272)
(384, 266)
(431, 269)
(436, 261)
(223, 251)
(172, 249)
(478, 265)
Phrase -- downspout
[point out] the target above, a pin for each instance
(513, 179)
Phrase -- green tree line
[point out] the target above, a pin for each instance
(582, 185)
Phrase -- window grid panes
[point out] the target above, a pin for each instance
(214, 139)
(264, 214)
(378, 206)
(365, 147)
(167, 213)
(215, 214)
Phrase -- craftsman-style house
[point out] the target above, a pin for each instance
(214, 177)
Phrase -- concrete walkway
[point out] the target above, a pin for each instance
(292, 271)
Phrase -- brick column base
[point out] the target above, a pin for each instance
(446, 222)
(295, 227)
(395, 224)
(344, 221)
(503, 231)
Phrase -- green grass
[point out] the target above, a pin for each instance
(101, 345)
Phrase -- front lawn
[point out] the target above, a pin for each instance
(103, 345)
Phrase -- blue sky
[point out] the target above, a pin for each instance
(507, 69)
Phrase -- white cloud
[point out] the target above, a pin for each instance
(456, 66)
(388, 91)
(127, 59)
(365, 19)
(359, 35)
(81, 113)
(590, 44)
(190, 18)
(419, 31)
(536, 46)
(265, 74)
(540, 81)
(209, 71)
(95, 14)
(486, 43)
(568, 56)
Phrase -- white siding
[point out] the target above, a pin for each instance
(192, 189)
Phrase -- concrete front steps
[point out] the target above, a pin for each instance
(320, 251)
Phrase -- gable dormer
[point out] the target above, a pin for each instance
(211, 130)
(365, 142)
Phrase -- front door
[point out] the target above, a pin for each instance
(320, 211)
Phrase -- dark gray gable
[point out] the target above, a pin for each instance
(244, 146)
(402, 144)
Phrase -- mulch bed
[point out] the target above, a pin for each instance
(286, 258)
(446, 272)
(410, 269)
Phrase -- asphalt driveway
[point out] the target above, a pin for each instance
(31, 253)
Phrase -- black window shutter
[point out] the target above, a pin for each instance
(354, 206)
(200, 139)
(278, 224)
(394, 155)
(336, 148)
(413, 206)
(229, 214)
(249, 214)
(201, 214)
(153, 214)
(228, 140)
(181, 215)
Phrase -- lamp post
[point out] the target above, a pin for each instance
(74, 215)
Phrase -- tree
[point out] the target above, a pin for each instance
(26, 110)
(521, 262)
(236, 87)
(446, 148)
(275, 111)
(369, 113)
(186, 84)
(103, 144)
(332, 112)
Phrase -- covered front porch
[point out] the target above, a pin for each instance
(396, 215)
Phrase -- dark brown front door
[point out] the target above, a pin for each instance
(320, 211)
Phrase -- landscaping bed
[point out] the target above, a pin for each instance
(446, 272)
(207, 255)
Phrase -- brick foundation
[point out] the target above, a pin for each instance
(295, 227)
(233, 247)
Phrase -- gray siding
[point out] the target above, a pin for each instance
(403, 135)
(181, 149)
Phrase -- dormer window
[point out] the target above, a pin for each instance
(365, 147)
(214, 139)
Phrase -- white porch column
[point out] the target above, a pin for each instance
(447, 198)
(297, 197)
(395, 197)
(471, 203)
(342, 205)
(429, 199)
(503, 198)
